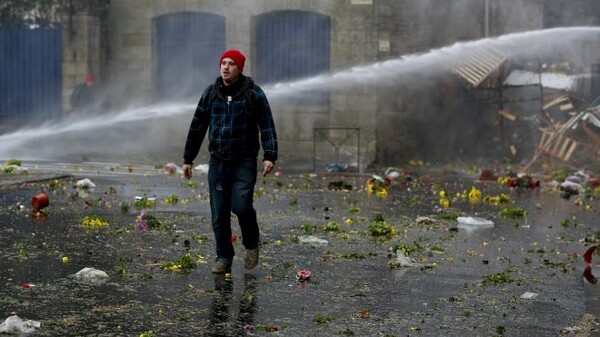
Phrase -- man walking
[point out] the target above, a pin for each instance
(83, 96)
(236, 114)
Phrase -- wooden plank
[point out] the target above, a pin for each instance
(566, 142)
(480, 65)
(571, 150)
(566, 107)
(561, 129)
(555, 102)
(467, 76)
(544, 137)
(474, 67)
(480, 72)
(507, 114)
(554, 147)
(493, 55)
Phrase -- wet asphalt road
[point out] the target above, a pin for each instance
(466, 283)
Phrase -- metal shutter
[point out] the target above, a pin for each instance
(187, 49)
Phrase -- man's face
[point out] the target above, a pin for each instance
(229, 71)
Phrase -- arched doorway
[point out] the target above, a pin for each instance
(187, 46)
(291, 45)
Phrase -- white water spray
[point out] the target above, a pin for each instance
(143, 129)
(440, 60)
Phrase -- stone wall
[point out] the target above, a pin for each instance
(83, 44)
(515, 16)
(416, 110)
(400, 119)
(354, 41)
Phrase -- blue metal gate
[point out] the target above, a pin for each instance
(187, 49)
(291, 45)
(30, 76)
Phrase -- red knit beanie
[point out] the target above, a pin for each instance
(236, 56)
(89, 78)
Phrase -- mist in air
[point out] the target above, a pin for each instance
(158, 131)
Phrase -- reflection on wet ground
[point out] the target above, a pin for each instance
(468, 282)
(222, 321)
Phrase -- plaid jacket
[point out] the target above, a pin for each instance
(233, 127)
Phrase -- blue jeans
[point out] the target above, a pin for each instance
(231, 187)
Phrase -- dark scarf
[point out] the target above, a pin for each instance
(232, 89)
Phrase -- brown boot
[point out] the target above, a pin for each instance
(221, 267)
(251, 259)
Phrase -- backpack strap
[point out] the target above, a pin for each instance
(214, 92)
(248, 94)
(211, 96)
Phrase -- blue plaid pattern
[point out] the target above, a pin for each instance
(235, 129)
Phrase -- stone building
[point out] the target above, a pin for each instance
(144, 52)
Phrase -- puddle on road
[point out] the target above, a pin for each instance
(351, 291)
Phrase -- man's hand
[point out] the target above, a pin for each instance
(188, 171)
(267, 167)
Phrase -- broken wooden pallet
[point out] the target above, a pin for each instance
(480, 65)
(557, 145)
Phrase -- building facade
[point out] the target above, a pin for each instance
(341, 102)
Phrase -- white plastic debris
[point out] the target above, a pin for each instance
(91, 275)
(402, 260)
(313, 240)
(15, 169)
(16, 325)
(584, 176)
(393, 173)
(529, 295)
(149, 199)
(425, 220)
(470, 223)
(85, 184)
(575, 179)
(553, 80)
(202, 168)
(571, 188)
